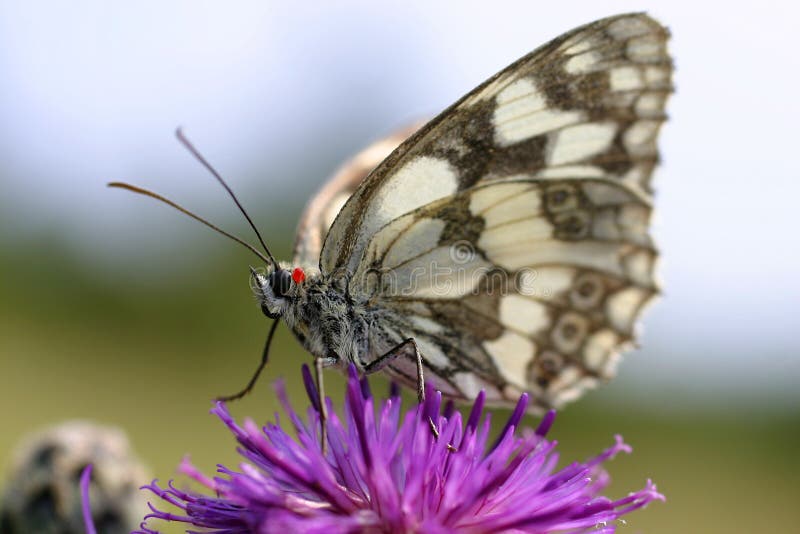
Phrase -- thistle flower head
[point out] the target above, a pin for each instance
(384, 471)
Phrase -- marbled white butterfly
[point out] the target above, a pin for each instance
(504, 245)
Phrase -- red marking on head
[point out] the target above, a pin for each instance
(298, 275)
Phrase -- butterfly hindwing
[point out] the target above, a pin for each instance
(525, 284)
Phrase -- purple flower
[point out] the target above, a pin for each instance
(385, 472)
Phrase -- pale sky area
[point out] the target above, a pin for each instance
(277, 97)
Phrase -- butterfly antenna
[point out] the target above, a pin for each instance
(145, 192)
(190, 147)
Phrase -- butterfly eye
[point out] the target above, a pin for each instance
(281, 282)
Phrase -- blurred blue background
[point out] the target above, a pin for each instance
(118, 309)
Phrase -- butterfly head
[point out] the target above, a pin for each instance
(276, 288)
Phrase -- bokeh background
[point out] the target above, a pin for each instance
(120, 310)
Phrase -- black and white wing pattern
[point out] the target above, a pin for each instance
(509, 236)
(323, 208)
(515, 285)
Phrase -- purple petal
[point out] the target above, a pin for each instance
(546, 423)
(513, 421)
(86, 478)
(311, 387)
(365, 391)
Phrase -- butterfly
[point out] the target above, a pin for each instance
(503, 246)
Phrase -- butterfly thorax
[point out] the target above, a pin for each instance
(329, 322)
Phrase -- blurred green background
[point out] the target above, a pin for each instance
(114, 309)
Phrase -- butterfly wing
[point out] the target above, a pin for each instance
(524, 284)
(509, 236)
(587, 104)
(323, 208)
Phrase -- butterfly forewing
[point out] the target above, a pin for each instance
(588, 104)
(509, 236)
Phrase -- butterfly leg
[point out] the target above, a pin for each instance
(391, 354)
(387, 358)
(261, 365)
(323, 406)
